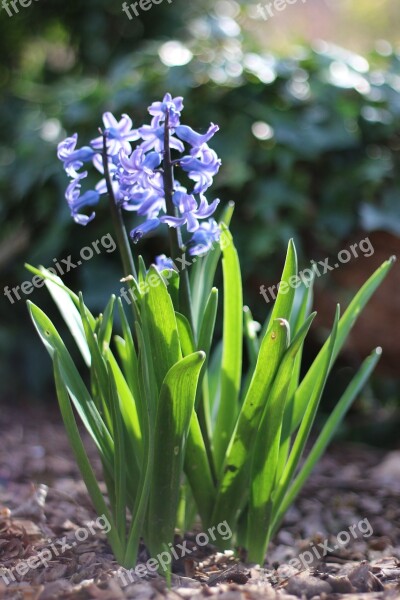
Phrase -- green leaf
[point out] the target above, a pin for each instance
(159, 323)
(128, 409)
(235, 472)
(253, 345)
(76, 388)
(345, 325)
(48, 276)
(100, 385)
(301, 309)
(130, 362)
(142, 270)
(203, 407)
(83, 461)
(308, 419)
(140, 509)
(185, 334)
(266, 452)
(172, 280)
(107, 322)
(327, 433)
(198, 472)
(175, 408)
(206, 332)
(286, 293)
(68, 310)
(231, 373)
(119, 470)
(283, 305)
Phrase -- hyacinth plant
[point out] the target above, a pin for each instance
(185, 425)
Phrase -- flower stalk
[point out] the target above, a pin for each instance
(116, 215)
(175, 237)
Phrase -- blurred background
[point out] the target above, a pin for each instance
(308, 102)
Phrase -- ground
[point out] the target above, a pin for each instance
(344, 531)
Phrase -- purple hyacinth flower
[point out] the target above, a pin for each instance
(201, 167)
(153, 138)
(204, 238)
(138, 168)
(163, 262)
(119, 134)
(171, 105)
(73, 159)
(145, 202)
(191, 213)
(76, 202)
(188, 135)
(138, 232)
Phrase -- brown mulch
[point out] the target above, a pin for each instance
(44, 506)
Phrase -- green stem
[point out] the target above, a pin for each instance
(175, 237)
(116, 215)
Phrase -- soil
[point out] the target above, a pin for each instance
(344, 531)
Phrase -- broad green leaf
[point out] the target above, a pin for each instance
(107, 323)
(48, 276)
(286, 293)
(308, 419)
(140, 509)
(231, 370)
(203, 397)
(185, 334)
(198, 472)
(147, 382)
(345, 325)
(159, 326)
(175, 408)
(142, 270)
(207, 326)
(301, 309)
(76, 388)
(68, 310)
(120, 470)
(83, 461)
(253, 345)
(214, 378)
(235, 472)
(128, 409)
(130, 363)
(100, 384)
(327, 433)
(266, 452)
(172, 281)
(302, 305)
(299, 315)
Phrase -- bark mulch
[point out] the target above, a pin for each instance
(344, 530)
